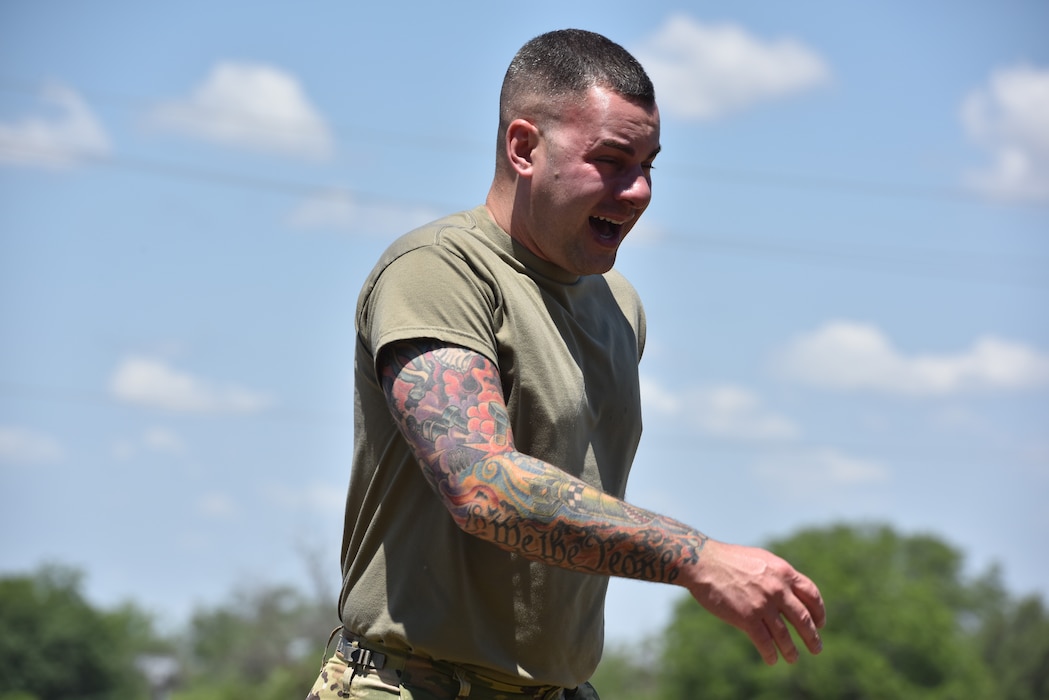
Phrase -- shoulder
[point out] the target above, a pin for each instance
(629, 302)
(431, 283)
(448, 232)
(448, 243)
(624, 292)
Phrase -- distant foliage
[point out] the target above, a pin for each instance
(266, 644)
(629, 671)
(903, 624)
(54, 644)
(1014, 639)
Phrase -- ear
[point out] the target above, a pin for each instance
(522, 138)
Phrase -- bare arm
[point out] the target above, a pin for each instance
(449, 404)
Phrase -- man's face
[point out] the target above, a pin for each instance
(590, 182)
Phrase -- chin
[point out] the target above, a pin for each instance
(600, 267)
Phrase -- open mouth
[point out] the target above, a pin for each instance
(607, 230)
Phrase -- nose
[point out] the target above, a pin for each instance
(636, 188)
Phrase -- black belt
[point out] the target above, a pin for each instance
(366, 655)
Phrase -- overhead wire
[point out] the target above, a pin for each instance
(930, 264)
(927, 263)
(867, 188)
(944, 264)
(793, 180)
(666, 440)
(95, 397)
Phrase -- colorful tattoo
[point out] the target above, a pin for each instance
(449, 404)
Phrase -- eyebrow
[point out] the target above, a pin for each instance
(627, 148)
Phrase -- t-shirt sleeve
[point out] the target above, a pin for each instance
(630, 303)
(430, 292)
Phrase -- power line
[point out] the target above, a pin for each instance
(209, 175)
(880, 451)
(716, 174)
(944, 264)
(359, 133)
(847, 185)
(673, 441)
(94, 397)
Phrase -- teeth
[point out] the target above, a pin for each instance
(611, 221)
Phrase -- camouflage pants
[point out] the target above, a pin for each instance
(339, 680)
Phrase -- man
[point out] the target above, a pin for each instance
(498, 411)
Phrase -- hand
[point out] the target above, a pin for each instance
(759, 593)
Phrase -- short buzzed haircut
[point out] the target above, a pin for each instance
(565, 64)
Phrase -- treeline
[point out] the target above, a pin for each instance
(263, 644)
(903, 623)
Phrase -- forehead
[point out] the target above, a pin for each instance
(604, 117)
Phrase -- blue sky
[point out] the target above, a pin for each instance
(844, 267)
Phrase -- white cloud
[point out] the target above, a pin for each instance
(162, 440)
(153, 383)
(1009, 117)
(124, 449)
(217, 505)
(314, 497)
(59, 141)
(20, 445)
(732, 412)
(816, 469)
(155, 439)
(338, 210)
(658, 399)
(722, 411)
(960, 419)
(856, 356)
(251, 106)
(706, 71)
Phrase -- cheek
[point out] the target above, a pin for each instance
(582, 192)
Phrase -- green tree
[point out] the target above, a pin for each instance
(54, 644)
(628, 671)
(265, 644)
(899, 620)
(1015, 642)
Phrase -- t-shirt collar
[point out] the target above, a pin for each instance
(516, 250)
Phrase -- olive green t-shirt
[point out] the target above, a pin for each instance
(567, 349)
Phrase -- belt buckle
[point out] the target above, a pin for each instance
(367, 658)
(360, 657)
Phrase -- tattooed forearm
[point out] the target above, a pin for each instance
(449, 404)
(527, 506)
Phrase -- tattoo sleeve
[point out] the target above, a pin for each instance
(449, 405)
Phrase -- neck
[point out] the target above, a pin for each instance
(500, 203)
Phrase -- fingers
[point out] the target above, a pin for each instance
(762, 640)
(764, 596)
(810, 597)
(799, 617)
(805, 611)
(781, 635)
(802, 607)
(772, 639)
